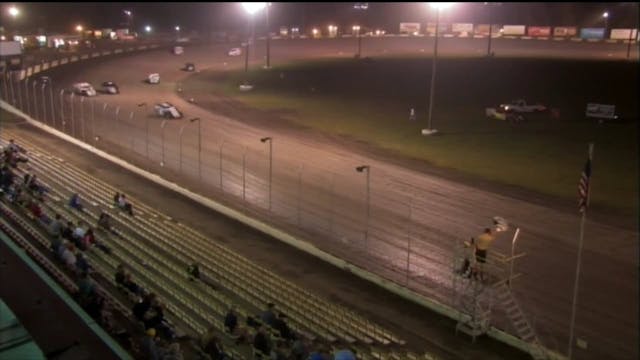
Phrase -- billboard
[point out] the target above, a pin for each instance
(442, 28)
(592, 33)
(539, 31)
(601, 111)
(513, 30)
(409, 28)
(461, 28)
(623, 34)
(565, 31)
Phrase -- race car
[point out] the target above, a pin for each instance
(153, 78)
(521, 106)
(189, 67)
(235, 52)
(167, 110)
(109, 87)
(84, 89)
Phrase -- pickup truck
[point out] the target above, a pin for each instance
(521, 106)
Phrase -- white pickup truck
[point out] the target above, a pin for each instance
(521, 106)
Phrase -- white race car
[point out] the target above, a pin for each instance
(235, 52)
(84, 89)
(167, 110)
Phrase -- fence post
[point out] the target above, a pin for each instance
(299, 194)
(409, 242)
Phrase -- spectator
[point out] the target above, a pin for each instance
(214, 349)
(193, 271)
(148, 347)
(320, 354)
(104, 221)
(88, 240)
(79, 232)
(281, 352)
(7, 178)
(120, 275)
(231, 320)
(262, 342)
(13, 147)
(482, 246)
(344, 355)
(75, 202)
(35, 209)
(173, 352)
(131, 285)
(140, 309)
(299, 350)
(56, 244)
(125, 205)
(281, 326)
(55, 227)
(86, 288)
(67, 231)
(268, 316)
(82, 264)
(116, 200)
(69, 256)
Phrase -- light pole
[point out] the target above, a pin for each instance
(129, 18)
(356, 29)
(489, 6)
(199, 146)
(270, 140)
(164, 122)
(44, 104)
(266, 12)
(35, 100)
(62, 122)
(177, 32)
(438, 6)
(82, 118)
(605, 16)
(250, 8)
(146, 127)
(366, 229)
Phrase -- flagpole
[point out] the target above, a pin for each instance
(580, 245)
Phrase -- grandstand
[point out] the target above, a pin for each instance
(157, 250)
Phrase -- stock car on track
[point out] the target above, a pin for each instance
(167, 111)
(84, 89)
(109, 87)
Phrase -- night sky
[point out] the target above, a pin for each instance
(62, 17)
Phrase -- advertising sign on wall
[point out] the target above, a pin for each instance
(409, 28)
(513, 30)
(592, 33)
(623, 34)
(565, 31)
(539, 31)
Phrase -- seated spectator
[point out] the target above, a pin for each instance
(149, 347)
(120, 275)
(56, 243)
(67, 231)
(231, 320)
(75, 202)
(79, 231)
(7, 178)
(116, 199)
(140, 309)
(299, 350)
(69, 256)
(173, 352)
(125, 205)
(193, 271)
(55, 226)
(262, 342)
(344, 355)
(281, 326)
(88, 240)
(86, 287)
(35, 209)
(281, 352)
(130, 285)
(214, 349)
(82, 264)
(320, 354)
(268, 316)
(36, 189)
(104, 221)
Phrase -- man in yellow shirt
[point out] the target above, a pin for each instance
(483, 242)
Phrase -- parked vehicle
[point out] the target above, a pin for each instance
(109, 87)
(521, 106)
(84, 89)
(167, 110)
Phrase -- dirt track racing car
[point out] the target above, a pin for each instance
(153, 78)
(503, 114)
(84, 89)
(109, 87)
(235, 52)
(189, 67)
(167, 110)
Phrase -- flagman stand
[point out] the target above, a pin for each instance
(475, 299)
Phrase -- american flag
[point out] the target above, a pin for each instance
(583, 187)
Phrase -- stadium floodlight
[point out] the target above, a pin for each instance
(14, 11)
(147, 28)
(79, 28)
(605, 14)
(177, 28)
(253, 7)
(441, 5)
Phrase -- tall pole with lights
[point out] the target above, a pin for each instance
(367, 168)
(251, 9)
(605, 16)
(266, 10)
(438, 7)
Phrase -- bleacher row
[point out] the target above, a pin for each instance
(157, 250)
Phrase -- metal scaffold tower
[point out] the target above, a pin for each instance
(482, 287)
